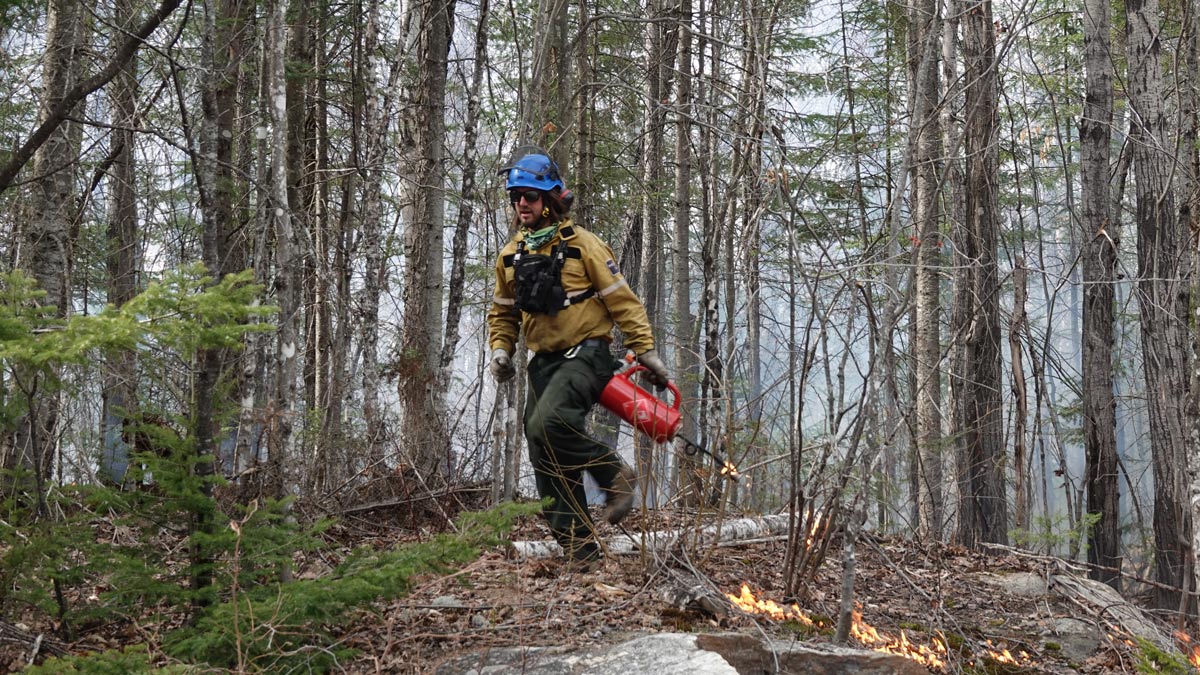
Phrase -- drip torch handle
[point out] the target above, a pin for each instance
(676, 397)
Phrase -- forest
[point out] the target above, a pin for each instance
(920, 270)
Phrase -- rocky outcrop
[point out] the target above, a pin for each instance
(684, 653)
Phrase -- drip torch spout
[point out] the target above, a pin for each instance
(727, 468)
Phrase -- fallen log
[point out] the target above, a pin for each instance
(725, 532)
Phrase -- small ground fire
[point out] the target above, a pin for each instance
(933, 655)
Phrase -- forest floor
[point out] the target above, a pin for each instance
(911, 596)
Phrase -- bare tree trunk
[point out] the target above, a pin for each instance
(308, 274)
(45, 244)
(1162, 295)
(1016, 329)
(687, 344)
(286, 282)
(760, 28)
(124, 251)
(983, 506)
(585, 114)
(1189, 217)
(652, 472)
(229, 113)
(376, 113)
(711, 420)
(425, 441)
(1099, 258)
(654, 127)
(925, 30)
(223, 247)
(895, 309)
(711, 385)
(953, 196)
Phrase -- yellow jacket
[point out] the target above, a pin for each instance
(594, 268)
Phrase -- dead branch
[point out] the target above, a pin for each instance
(33, 644)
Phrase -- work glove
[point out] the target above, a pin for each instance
(658, 370)
(501, 366)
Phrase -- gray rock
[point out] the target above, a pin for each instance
(447, 601)
(683, 653)
(749, 655)
(1077, 639)
(1020, 584)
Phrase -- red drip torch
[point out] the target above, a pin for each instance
(653, 417)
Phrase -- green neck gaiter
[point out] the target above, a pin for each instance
(535, 240)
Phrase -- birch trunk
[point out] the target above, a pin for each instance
(376, 113)
(45, 243)
(740, 529)
(281, 220)
(121, 261)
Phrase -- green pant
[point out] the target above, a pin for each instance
(563, 387)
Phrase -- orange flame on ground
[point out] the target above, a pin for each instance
(1191, 651)
(748, 603)
(1005, 656)
(931, 656)
(934, 657)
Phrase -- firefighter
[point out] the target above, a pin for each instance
(561, 285)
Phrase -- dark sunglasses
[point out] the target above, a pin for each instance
(530, 196)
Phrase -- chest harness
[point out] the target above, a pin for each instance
(537, 279)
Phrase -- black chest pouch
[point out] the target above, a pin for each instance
(537, 280)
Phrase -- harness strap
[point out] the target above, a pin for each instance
(511, 258)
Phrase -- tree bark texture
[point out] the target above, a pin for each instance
(46, 240)
(123, 255)
(923, 76)
(1099, 257)
(1162, 295)
(1189, 220)
(687, 343)
(424, 440)
(1017, 331)
(983, 505)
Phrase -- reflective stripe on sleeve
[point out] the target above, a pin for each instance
(613, 288)
(507, 302)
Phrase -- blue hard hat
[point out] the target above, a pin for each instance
(534, 170)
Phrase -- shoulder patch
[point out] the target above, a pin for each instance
(612, 266)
